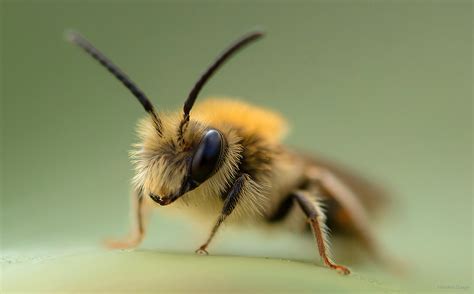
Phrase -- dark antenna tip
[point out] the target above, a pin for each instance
(80, 41)
(258, 31)
(221, 59)
(70, 35)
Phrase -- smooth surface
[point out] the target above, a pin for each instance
(385, 88)
(152, 271)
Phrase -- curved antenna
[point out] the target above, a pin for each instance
(222, 58)
(80, 41)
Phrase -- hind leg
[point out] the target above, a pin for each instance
(352, 207)
(316, 219)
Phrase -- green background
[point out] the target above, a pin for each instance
(383, 87)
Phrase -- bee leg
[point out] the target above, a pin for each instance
(139, 213)
(351, 204)
(230, 202)
(316, 219)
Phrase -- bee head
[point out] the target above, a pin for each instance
(177, 154)
(167, 167)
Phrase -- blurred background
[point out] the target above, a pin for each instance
(382, 87)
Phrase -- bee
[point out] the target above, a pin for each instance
(224, 159)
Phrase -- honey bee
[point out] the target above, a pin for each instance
(225, 159)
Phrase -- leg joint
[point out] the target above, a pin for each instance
(306, 205)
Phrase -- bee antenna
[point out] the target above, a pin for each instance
(80, 41)
(221, 59)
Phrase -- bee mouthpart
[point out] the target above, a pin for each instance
(162, 200)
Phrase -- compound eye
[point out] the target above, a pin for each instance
(207, 156)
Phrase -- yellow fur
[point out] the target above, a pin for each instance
(250, 119)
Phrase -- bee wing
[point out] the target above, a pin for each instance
(372, 196)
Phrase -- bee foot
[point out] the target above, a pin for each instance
(341, 269)
(121, 244)
(202, 251)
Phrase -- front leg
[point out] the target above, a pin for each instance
(231, 200)
(139, 214)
